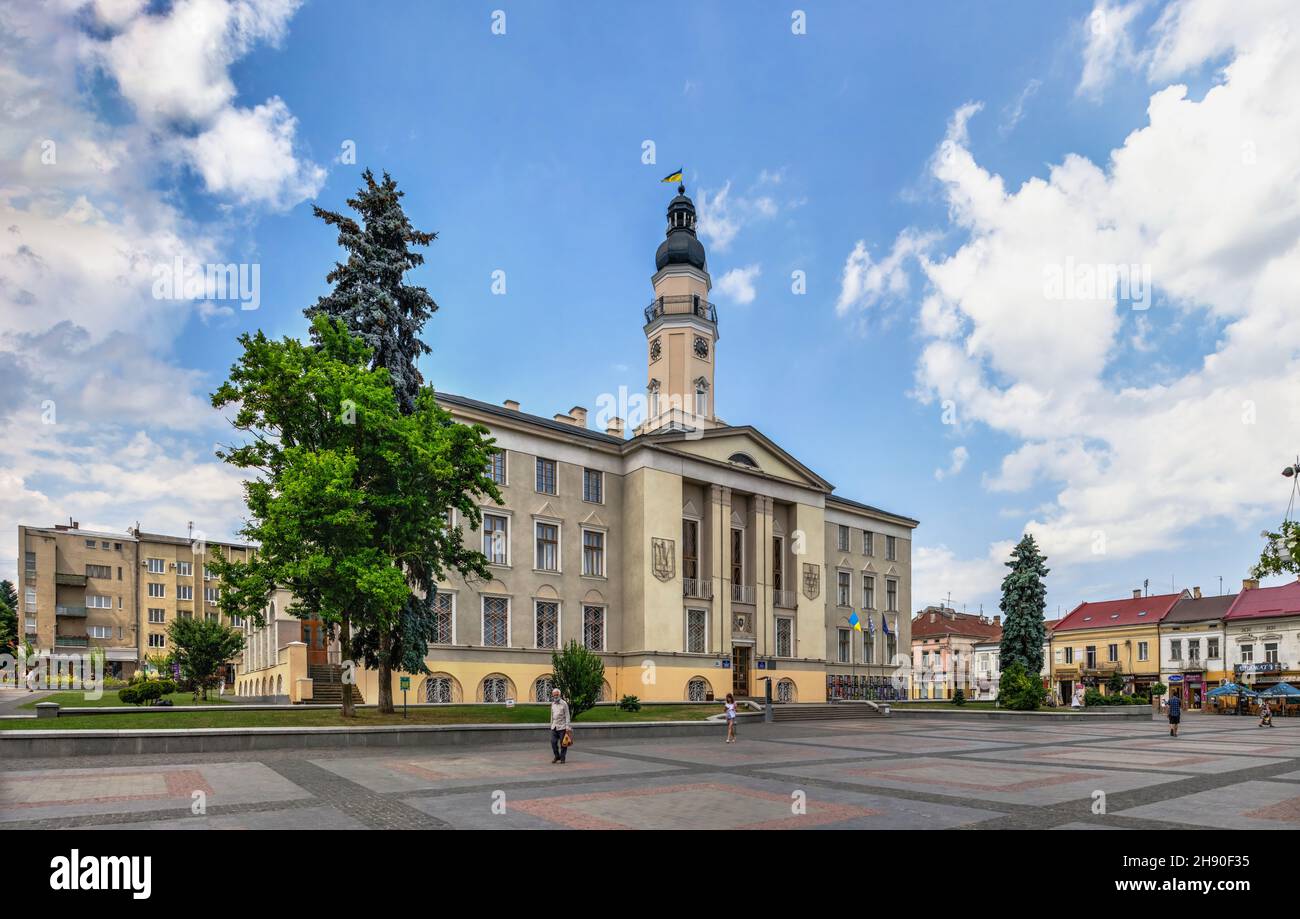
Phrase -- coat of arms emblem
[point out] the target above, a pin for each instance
(663, 558)
(812, 580)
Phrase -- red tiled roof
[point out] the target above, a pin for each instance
(1262, 602)
(1051, 624)
(948, 623)
(1111, 613)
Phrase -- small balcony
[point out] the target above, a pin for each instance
(697, 589)
(784, 599)
(77, 612)
(742, 593)
(66, 579)
(689, 305)
(72, 641)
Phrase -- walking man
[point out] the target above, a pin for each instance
(559, 726)
(1175, 713)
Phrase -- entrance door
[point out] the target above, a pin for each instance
(740, 670)
(313, 636)
(1067, 691)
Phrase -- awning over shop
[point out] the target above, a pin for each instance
(1232, 689)
(1285, 690)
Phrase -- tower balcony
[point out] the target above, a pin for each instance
(691, 305)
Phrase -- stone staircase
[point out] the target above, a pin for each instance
(825, 711)
(327, 685)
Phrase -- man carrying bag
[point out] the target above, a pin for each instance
(561, 733)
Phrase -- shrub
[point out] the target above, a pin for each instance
(630, 704)
(959, 697)
(146, 692)
(1159, 689)
(1019, 690)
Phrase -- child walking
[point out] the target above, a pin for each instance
(731, 718)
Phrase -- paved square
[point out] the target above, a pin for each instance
(877, 773)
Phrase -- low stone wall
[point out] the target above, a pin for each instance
(50, 744)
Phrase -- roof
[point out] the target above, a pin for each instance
(1050, 625)
(949, 622)
(514, 414)
(1199, 609)
(1108, 614)
(848, 502)
(1266, 602)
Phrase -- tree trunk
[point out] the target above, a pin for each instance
(345, 646)
(385, 674)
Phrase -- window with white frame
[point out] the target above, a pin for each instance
(100, 572)
(701, 396)
(784, 636)
(1193, 650)
(1212, 648)
(1270, 652)
(845, 645)
(29, 561)
(157, 641)
(843, 585)
(545, 476)
(444, 611)
(868, 542)
(496, 622)
(546, 627)
(697, 689)
(156, 565)
(157, 590)
(184, 591)
(1112, 653)
(1247, 654)
(209, 574)
(842, 534)
(99, 631)
(891, 595)
(891, 548)
(1175, 649)
(496, 468)
(185, 569)
(548, 546)
(91, 544)
(97, 601)
(593, 553)
(29, 599)
(496, 539)
(212, 594)
(157, 616)
(593, 486)
(868, 592)
(868, 647)
(697, 631)
(496, 689)
(1144, 651)
(593, 628)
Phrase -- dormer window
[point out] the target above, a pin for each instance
(743, 459)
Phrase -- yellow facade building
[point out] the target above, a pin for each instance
(1097, 640)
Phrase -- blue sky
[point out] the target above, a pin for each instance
(920, 163)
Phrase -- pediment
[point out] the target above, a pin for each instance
(753, 453)
(593, 520)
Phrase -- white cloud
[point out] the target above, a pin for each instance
(1013, 113)
(1108, 46)
(737, 284)
(956, 463)
(865, 282)
(1205, 193)
(722, 215)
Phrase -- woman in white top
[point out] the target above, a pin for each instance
(731, 718)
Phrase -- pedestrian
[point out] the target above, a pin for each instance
(731, 718)
(1077, 700)
(1266, 715)
(561, 732)
(1175, 713)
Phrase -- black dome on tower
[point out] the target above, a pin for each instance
(681, 247)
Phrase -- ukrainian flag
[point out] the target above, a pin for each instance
(675, 177)
(855, 622)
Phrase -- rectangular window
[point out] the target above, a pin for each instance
(29, 599)
(1090, 657)
(697, 625)
(593, 628)
(185, 569)
(868, 542)
(737, 556)
(868, 592)
(495, 539)
(157, 641)
(1175, 649)
(443, 610)
(778, 563)
(1193, 650)
(496, 622)
(593, 486)
(102, 572)
(185, 614)
(548, 547)
(891, 595)
(95, 601)
(843, 536)
(593, 553)
(184, 591)
(1270, 652)
(1144, 651)
(843, 586)
(157, 616)
(891, 548)
(546, 476)
(496, 468)
(844, 645)
(690, 549)
(90, 544)
(784, 637)
(891, 645)
(99, 631)
(211, 594)
(1212, 648)
(1112, 653)
(1069, 655)
(210, 617)
(868, 647)
(31, 624)
(237, 621)
(209, 574)
(29, 561)
(1247, 654)
(547, 628)
(156, 565)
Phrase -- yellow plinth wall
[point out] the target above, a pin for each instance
(281, 679)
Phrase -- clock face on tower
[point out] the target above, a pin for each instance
(654, 350)
(701, 347)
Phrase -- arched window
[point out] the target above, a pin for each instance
(785, 691)
(744, 459)
(702, 396)
(542, 687)
(698, 689)
(496, 687)
(653, 389)
(441, 687)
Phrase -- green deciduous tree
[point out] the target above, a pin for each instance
(579, 675)
(1024, 597)
(1020, 690)
(8, 615)
(350, 504)
(202, 647)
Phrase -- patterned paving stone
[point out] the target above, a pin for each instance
(706, 801)
(744, 752)
(1244, 806)
(303, 818)
(1177, 758)
(1199, 746)
(501, 765)
(898, 743)
(992, 782)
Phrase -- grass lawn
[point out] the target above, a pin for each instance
(110, 699)
(366, 717)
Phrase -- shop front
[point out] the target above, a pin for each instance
(1190, 687)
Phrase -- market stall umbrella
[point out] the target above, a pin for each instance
(1233, 689)
(1282, 689)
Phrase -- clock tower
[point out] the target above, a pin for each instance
(681, 330)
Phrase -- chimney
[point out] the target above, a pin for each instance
(511, 404)
(615, 427)
(1250, 584)
(1137, 594)
(932, 618)
(565, 419)
(997, 620)
(1196, 592)
(579, 415)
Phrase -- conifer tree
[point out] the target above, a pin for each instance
(1024, 597)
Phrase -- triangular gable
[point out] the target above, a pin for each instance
(846, 562)
(689, 509)
(593, 520)
(737, 520)
(546, 510)
(720, 444)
